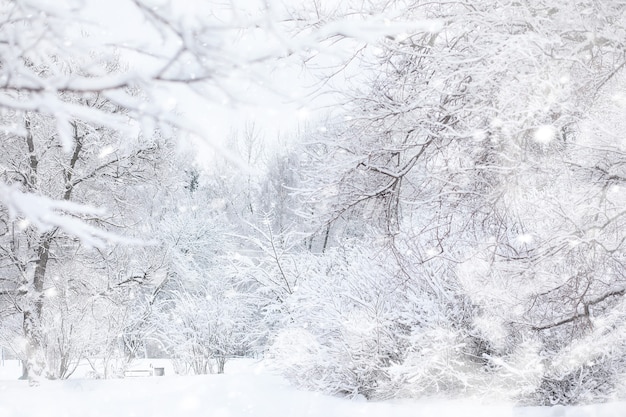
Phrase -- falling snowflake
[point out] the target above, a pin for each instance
(544, 134)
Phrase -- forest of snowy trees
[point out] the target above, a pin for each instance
(450, 224)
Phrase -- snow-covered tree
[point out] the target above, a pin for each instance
(465, 153)
(111, 174)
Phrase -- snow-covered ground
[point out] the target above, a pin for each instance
(245, 390)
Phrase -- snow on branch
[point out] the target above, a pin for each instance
(47, 214)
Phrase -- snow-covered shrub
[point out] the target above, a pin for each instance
(434, 363)
(591, 382)
(356, 329)
(344, 331)
(589, 368)
(204, 328)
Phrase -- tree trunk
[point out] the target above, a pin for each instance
(221, 362)
(32, 315)
(35, 363)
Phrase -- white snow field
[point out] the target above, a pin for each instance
(245, 390)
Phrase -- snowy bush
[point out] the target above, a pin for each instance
(358, 330)
(346, 337)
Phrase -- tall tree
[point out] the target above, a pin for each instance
(100, 171)
(460, 154)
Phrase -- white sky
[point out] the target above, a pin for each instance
(275, 95)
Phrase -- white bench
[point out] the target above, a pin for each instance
(138, 372)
